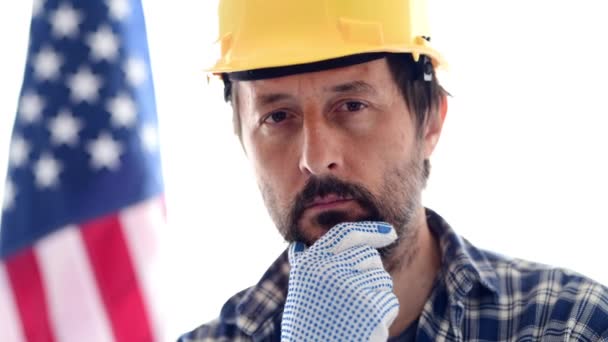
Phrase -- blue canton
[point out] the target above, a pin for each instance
(85, 140)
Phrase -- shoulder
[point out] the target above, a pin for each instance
(550, 299)
(522, 277)
(223, 328)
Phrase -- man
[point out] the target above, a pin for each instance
(337, 105)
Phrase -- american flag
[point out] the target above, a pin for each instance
(83, 196)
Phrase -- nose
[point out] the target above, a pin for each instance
(321, 150)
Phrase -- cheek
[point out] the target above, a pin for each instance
(388, 148)
(276, 168)
(399, 138)
(389, 143)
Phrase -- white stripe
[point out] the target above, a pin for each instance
(142, 226)
(10, 324)
(75, 308)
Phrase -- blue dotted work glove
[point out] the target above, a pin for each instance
(338, 288)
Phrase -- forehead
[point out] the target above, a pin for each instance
(374, 73)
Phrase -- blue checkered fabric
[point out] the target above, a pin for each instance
(478, 296)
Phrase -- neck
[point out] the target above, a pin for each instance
(413, 267)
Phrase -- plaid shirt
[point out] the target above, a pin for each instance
(477, 296)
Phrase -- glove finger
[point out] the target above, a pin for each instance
(349, 234)
(390, 309)
(361, 258)
(390, 304)
(294, 251)
(372, 280)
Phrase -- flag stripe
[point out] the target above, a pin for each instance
(71, 289)
(67, 280)
(118, 286)
(24, 275)
(142, 225)
(10, 327)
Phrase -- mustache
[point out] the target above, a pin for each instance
(329, 185)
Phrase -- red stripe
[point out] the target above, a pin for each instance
(24, 275)
(116, 280)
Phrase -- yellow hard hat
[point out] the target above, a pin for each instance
(256, 34)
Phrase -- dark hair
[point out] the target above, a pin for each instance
(422, 97)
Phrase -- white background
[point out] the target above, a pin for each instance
(520, 169)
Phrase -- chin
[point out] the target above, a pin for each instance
(310, 235)
(321, 223)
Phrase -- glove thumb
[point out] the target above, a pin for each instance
(296, 249)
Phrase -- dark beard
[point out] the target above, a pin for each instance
(321, 187)
(397, 202)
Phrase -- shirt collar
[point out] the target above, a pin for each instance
(463, 266)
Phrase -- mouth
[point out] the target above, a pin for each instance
(327, 202)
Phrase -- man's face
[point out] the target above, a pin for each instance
(333, 146)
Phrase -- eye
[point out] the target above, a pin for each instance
(275, 117)
(352, 106)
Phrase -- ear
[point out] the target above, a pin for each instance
(433, 128)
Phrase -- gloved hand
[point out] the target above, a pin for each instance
(338, 288)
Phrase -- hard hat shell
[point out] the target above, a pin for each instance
(256, 34)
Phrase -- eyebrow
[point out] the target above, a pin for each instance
(353, 87)
(267, 99)
(350, 87)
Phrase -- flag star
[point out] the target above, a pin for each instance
(103, 44)
(9, 195)
(46, 171)
(46, 64)
(105, 152)
(64, 129)
(123, 110)
(19, 151)
(135, 69)
(37, 7)
(119, 9)
(149, 137)
(30, 107)
(65, 21)
(84, 85)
